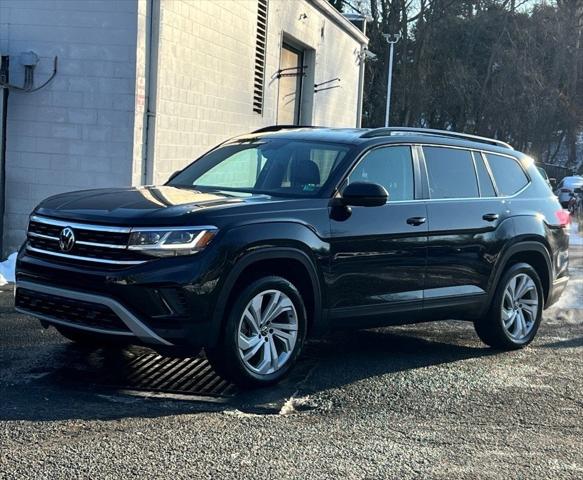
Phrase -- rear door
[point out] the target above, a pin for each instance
(379, 253)
(466, 227)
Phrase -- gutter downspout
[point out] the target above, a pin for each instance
(4, 79)
(360, 84)
(150, 89)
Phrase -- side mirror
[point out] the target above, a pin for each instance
(174, 175)
(364, 194)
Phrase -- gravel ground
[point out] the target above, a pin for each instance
(423, 401)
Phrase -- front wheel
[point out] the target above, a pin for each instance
(516, 310)
(263, 335)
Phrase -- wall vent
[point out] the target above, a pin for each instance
(260, 49)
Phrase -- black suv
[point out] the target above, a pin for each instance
(288, 232)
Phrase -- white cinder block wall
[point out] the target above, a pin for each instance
(87, 129)
(206, 55)
(76, 133)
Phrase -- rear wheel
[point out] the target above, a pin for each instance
(263, 335)
(516, 310)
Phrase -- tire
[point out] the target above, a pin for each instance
(243, 334)
(513, 321)
(88, 339)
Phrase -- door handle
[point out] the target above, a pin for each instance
(490, 217)
(416, 221)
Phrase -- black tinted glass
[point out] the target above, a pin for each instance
(391, 167)
(451, 173)
(508, 174)
(486, 187)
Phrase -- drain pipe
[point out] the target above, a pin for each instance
(150, 89)
(4, 80)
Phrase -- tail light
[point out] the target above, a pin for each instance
(563, 217)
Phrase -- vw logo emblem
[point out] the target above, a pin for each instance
(66, 239)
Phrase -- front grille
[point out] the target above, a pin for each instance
(94, 244)
(69, 310)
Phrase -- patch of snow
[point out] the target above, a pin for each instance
(576, 234)
(294, 405)
(7, 268)
(239, 414)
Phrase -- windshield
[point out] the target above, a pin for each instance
(272, 166)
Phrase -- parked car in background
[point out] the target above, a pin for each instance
(285, 233)
(566, 188)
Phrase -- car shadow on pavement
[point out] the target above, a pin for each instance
(348, 357)
(86, 385)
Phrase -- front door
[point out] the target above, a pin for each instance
(291, 72)
(379, 253)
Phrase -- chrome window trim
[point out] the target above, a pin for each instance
(137, 328)
(363, 155)
(489, 170)
(86, 259)
(485, 154)
(420, 147)
(79, 226)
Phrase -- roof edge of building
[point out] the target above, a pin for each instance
(327, 9)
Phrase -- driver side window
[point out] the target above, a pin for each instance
(391, 167)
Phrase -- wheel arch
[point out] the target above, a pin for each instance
(274, 261)
(535, 254)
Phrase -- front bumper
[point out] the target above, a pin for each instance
(166, 303)
(36, 299)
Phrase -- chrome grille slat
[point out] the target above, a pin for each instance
(95, 244)
(86, 259)
(79, 226)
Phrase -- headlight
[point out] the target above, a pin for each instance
(170, 242)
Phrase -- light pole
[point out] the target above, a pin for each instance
(391, 39)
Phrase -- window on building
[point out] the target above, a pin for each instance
(450, 172)
(486, 186)
(260, 51)
(391, 167)
(508, 174)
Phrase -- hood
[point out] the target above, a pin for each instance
(141, 205)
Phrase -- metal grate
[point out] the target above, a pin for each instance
(260, 50)
(152, 372)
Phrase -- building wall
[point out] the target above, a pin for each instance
(76, 133)
(206, 55)
(192, 86)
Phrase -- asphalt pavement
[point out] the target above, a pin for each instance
(421, 401)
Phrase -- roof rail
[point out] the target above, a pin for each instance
(276, 128)
(386, 131)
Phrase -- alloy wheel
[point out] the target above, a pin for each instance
(268, 331)
(520, 306)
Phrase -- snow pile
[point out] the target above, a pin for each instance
(7, 268)
(576, 235)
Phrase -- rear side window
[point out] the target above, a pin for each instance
(391, 167)
(486, 187)
(451, 173)
(508, 174)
